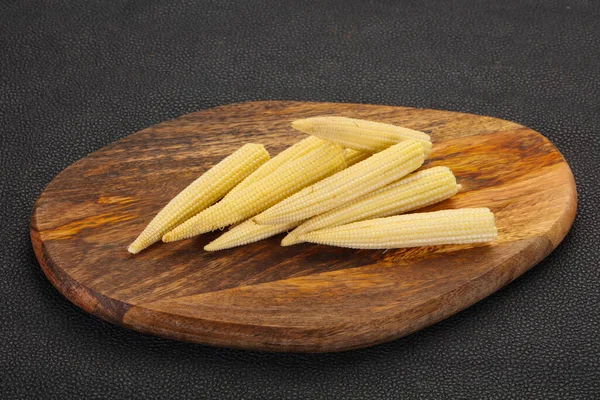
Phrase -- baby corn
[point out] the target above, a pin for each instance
(355, 156)
(201, 193)
(417, 190)
(359, 134)
(371, 174)
(461, 226)
(289, 154)
(246, 232)
(319, 163)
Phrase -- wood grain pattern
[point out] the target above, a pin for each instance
(304, 298)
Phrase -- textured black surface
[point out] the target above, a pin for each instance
(75, 76)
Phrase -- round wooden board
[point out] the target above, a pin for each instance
(304, 298)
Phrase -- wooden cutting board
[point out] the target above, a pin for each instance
(304, 298)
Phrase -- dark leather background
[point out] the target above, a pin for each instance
(77, 75)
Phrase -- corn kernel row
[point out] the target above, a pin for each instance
(460, 226)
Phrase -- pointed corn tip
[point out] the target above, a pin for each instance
(290, 240)
(211, 247)
(168, 237)
(132, 249)
(302, 125)
(259, 220)
(136, 246)
(217, 245)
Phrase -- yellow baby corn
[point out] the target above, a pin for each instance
(461, 226)
(201, 193)
(318, 163)
(371, 174)
(355, 156)
(291, 153)
(359, 134)
(246, 232)
(417, 190)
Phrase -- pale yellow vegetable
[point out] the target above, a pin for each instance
(461, 226)
(371, 174)
(249, 232)
(355, 156)
(318, 163)
(417, 190)
(291, 153)
(245, 233)
(202, 192)
(360, 134)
